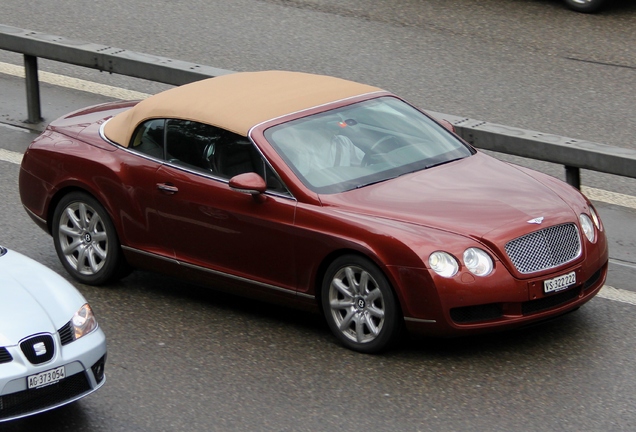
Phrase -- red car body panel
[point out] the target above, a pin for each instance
(278, 247)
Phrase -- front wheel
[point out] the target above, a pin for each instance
(586, 6)
(359, 305)
(85, 240)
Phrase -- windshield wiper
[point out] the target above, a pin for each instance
(407, 172)
(442, 163)
(379, 181)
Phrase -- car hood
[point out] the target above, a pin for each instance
(472, 196)
(34, 299)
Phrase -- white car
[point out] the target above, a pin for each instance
(52, 351)
(586, 6)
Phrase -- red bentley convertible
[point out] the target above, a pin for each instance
(317, 192)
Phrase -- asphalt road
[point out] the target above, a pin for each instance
(185, 358)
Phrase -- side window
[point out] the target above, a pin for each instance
(188, 143)
(235, 154)
(215, 151)
(149, 138)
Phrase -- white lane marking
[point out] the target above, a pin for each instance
(75, 83)
(609, 197)
(9, 156)
(15, 128)
(619, 295)
(622, 263)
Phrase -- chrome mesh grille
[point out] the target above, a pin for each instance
(545, 249)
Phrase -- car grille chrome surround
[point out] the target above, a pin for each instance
(545, 249)
(38, 349)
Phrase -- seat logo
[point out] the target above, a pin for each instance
(39, 349)
(536, 220)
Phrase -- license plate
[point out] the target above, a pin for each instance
(559, 283)
(47, 377)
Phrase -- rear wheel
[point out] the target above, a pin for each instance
(85, 240)
(359, 305)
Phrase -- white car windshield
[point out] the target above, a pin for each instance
(363, 143)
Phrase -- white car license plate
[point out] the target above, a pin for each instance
(47, 377)
(559, 283)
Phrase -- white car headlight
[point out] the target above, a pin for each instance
(83, 322)
(478, 262)
(443, 264)
(595, 218)
(588, 227)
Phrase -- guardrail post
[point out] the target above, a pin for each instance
(32, 88)
(573, 176)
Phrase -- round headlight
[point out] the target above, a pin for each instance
(478, 262)
(587, 226)
(595, 218)
(443, 264)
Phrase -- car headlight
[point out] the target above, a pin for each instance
(443, 264)
(83, 322)
(588, 227)
(595, 218)
(478, 262)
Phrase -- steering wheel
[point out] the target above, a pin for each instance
(208, 157)
(379, 142)
(373, 153)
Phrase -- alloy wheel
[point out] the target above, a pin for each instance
(83, 238)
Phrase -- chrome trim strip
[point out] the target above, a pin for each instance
(150, 254)
(34, 215)
(417, 320)
(218, 273)
(249, 132)
(104, 137)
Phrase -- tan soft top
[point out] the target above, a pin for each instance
(236, 102)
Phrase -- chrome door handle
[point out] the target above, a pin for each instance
(167, 188)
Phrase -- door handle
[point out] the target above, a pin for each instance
(168, 188)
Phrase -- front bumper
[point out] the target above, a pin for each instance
(83, 360)
(465, 305)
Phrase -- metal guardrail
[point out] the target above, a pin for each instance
(572, 153)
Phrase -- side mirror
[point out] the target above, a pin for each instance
(249, 183)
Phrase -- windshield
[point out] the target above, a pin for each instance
(363, 143)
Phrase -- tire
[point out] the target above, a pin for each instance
(359, 305)
(586, 6)
(86, 241)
